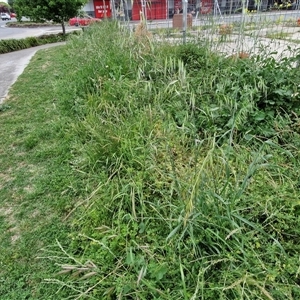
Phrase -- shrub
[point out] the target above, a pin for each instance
(30, 24)
(11, 45)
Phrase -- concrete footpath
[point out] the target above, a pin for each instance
(13, 64)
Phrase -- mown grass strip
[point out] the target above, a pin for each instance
(38, 186)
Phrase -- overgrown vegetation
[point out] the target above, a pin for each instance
(178, 171)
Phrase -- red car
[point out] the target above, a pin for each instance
(13, 15)
(82, 21)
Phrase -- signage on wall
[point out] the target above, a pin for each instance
(102, 9)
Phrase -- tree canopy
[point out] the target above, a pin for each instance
(11, 2)
(4, 7)
(58, 11)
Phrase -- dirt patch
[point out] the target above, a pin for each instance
(46, 65)
(29, 189)
(8, 213)
(4, 179)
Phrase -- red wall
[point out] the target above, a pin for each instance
(155, 9)
(102, 8)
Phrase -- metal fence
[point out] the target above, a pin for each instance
(233, 27)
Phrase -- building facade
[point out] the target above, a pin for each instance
(153, 9)
(159, 9)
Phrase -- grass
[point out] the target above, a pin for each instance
(136, 170)
(278, 35)
(37, 182)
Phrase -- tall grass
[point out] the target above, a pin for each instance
(195, 172)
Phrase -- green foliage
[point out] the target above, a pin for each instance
(11, 45)
(228, 94)
(5, 6)
(58, 11)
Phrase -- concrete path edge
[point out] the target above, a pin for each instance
(13, 64)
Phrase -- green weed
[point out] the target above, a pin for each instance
(278, 35)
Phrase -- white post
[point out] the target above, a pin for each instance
(144, 12)
(113, 9)
(184, 19)
(167, 10)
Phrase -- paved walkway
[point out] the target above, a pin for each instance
(13, 64)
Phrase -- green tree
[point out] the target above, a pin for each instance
(4, 7)
(58, 11)
(11, 2)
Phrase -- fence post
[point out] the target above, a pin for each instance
(144, 12)
(113, 9)
(184, 19)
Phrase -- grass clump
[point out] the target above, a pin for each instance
(278, 35)
(182, 171)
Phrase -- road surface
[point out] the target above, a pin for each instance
(19, 33)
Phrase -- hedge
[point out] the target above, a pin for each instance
(11, 45)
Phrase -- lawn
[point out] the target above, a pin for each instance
(132, 169)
